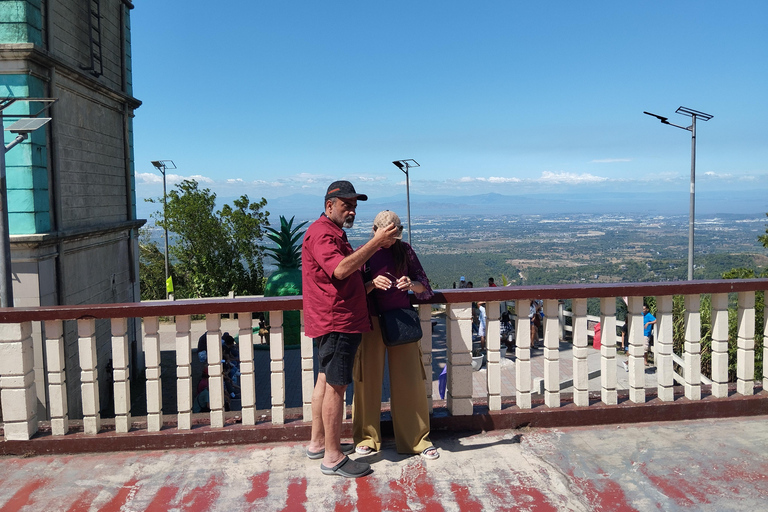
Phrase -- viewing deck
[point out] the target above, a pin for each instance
(567, 384)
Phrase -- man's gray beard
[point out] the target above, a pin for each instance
(348, 222)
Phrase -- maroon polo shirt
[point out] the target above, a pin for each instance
(330, 304)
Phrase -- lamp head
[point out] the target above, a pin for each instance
(28, 125)
(158, 164)
(399, 164)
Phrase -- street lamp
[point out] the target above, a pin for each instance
(404, 165)
(693, 114)
(27, 124)
(162, 165)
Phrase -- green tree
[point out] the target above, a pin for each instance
(151, 268)
(286, 280)
(213, 252)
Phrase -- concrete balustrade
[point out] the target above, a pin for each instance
(57, 377)
(18, 390)
(608, 391)
(121, 374)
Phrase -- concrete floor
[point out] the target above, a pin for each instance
(702, 465)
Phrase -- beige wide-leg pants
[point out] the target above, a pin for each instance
(408, 394)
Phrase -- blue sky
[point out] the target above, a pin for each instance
(279, 98)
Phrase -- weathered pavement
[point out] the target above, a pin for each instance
(717, 465)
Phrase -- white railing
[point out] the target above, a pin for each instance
(20, 389)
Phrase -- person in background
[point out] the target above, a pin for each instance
(648, 322)
(392, 272)
(482, 320)
(462, 282)
(507, 330)
(491, 283)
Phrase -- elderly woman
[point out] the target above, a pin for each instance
(390, 274)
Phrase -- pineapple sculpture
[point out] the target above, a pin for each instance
(286, 280)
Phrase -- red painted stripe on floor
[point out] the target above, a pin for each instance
(523, 496)
(202, 498)
(297, 495)
(126, 492)
(83, 502)
(259, 487)
(163, 499)
(464, 499)
(603, 493)
(367, 497)
(414, 482)
(23, 496)
(344, 501)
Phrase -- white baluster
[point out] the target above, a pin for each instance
(247, 377)
(154, 384)
(608, 393)
(17, 381)
(745, 351)
(580, 353)
(57, 377)
(215, 377)
(459, 344)
(184, 372)
(425, 316)
(307, 372)
(692, 354)
(121, 375)
(89, 378)
(663, 349)
(552, 332)
(720, 345)
(765, 341)
(636, 350)
(277, 366)
(493, 346)
(523, 377)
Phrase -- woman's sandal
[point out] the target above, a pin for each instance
(364, 450)
(430, 453)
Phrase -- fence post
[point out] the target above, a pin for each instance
(523, 378)
(122, 375)
(89, 378)
(720, 345)
(745, 352)
(458, 330)
(580, 352)
(184, 372)
(277, 366)
(57, 376)
(307, 371)
(493, 346)
(215, 377)
(608, 393)
(636, 350)
(17, 381)
(247, 376)
(425, 316)
(664, 342)
(692, 355)
(552, 331)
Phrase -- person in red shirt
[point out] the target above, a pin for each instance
(336, 315)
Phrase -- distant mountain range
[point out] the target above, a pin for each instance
(308, 207)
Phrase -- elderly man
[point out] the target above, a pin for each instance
(336, 315)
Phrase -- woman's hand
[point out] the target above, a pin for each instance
(382, 282)
(404, 283)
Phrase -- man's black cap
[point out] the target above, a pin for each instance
(344, 190)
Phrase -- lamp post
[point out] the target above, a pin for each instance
(161, 166)
(693, 114)
(27, 124)
(404, 165)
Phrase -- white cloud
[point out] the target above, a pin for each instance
(497, 179)
(569, 178)
(610, 160)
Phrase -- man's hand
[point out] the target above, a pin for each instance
(385, 237)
